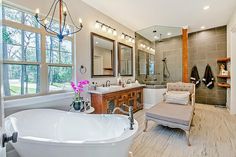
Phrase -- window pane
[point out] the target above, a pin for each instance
(32, 50)
(12, 14)
(54, 26)
(21, 45)
(59, 78)
(12, 52)
(21, 79)
(12, 36)
(58, 52)
(52, 56)
(52, 43)
(66, 45)
(66, 57)
(30, 20)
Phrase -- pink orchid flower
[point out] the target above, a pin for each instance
(80, 86)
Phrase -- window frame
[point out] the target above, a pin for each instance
(43, 65)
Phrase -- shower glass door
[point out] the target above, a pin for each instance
(159, 43)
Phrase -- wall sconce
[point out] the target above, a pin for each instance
(128, 38)
(147, 48)
(105, 28)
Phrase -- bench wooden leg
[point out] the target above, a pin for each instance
(187, 136)
(146, 125)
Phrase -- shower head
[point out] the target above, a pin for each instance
(160, 38)
(164, 59)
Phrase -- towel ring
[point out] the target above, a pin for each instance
(82, 69)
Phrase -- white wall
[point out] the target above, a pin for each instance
(231, 49)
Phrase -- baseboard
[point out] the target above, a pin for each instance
(12, 153)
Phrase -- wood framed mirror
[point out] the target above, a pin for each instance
(125, 60)
(102, 56)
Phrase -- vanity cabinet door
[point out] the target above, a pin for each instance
(111, 103)
(123, 99)
(131, 100)
(139, 100)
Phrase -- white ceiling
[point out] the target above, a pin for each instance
(140, 14)
(161, 32)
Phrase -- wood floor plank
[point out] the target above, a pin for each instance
(213, 135)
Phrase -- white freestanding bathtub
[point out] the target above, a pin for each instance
(54, 133)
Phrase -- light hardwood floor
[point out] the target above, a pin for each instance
(213, 135)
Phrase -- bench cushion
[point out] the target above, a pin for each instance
(178, 97)
(180, 114)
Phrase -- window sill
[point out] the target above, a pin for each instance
(32, 101)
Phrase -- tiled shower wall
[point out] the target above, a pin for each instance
(171, 49)
(206, 47)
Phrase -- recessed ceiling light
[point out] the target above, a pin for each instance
(203, 27)
(96, 42)
(156, 37)
(169, 33)
(206, 7)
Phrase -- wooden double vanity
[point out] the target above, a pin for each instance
(105, 99)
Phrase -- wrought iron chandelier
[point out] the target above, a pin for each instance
(64, 14)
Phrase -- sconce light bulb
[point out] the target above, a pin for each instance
(109, 31)
(97, 25)
(130, 40)
(133, 41)
(104, 28)
(115, 33)
(80, 20)
(122, 36)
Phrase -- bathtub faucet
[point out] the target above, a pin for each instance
(130, 113)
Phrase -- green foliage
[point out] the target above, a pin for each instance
(22, 45)
(6, 36)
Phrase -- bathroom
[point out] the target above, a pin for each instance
(125, 71)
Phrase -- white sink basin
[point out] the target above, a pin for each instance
(132, 85)
(113, 87)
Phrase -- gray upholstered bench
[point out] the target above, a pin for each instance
(174, 115)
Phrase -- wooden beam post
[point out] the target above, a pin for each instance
(185, 55)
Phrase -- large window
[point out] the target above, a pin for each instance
(35, 62)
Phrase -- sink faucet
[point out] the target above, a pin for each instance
(130, 113)
(129, 81)
(108, 83)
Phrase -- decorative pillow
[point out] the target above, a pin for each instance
(177, 97)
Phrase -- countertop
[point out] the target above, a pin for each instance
(112, 89)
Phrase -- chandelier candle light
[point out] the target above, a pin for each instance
(63, 26)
